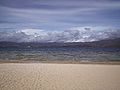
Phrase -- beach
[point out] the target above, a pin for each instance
(48, 76)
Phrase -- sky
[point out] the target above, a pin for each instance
(53, 16)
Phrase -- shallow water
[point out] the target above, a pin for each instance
(62, 53)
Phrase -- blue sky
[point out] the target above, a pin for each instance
(58, 14)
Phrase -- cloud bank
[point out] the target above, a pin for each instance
(76, 34)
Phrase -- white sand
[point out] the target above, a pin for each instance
(59, 77)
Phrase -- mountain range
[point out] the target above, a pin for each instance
(71, 35)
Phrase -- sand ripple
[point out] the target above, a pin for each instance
(59, 77)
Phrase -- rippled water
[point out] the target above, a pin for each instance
(63, 53)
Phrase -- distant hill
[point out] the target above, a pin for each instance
(112, 43)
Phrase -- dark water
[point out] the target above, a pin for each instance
(43, 54)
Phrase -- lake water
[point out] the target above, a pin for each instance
(62, 53)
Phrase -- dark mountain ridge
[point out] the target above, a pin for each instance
(110, 43)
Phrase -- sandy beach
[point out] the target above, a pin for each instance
(43, 76)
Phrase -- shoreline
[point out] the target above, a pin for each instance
(63, 62)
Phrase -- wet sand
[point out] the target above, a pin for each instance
(43, 76)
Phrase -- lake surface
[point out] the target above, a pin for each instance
(61, 53)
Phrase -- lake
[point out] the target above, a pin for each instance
(61, 53)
